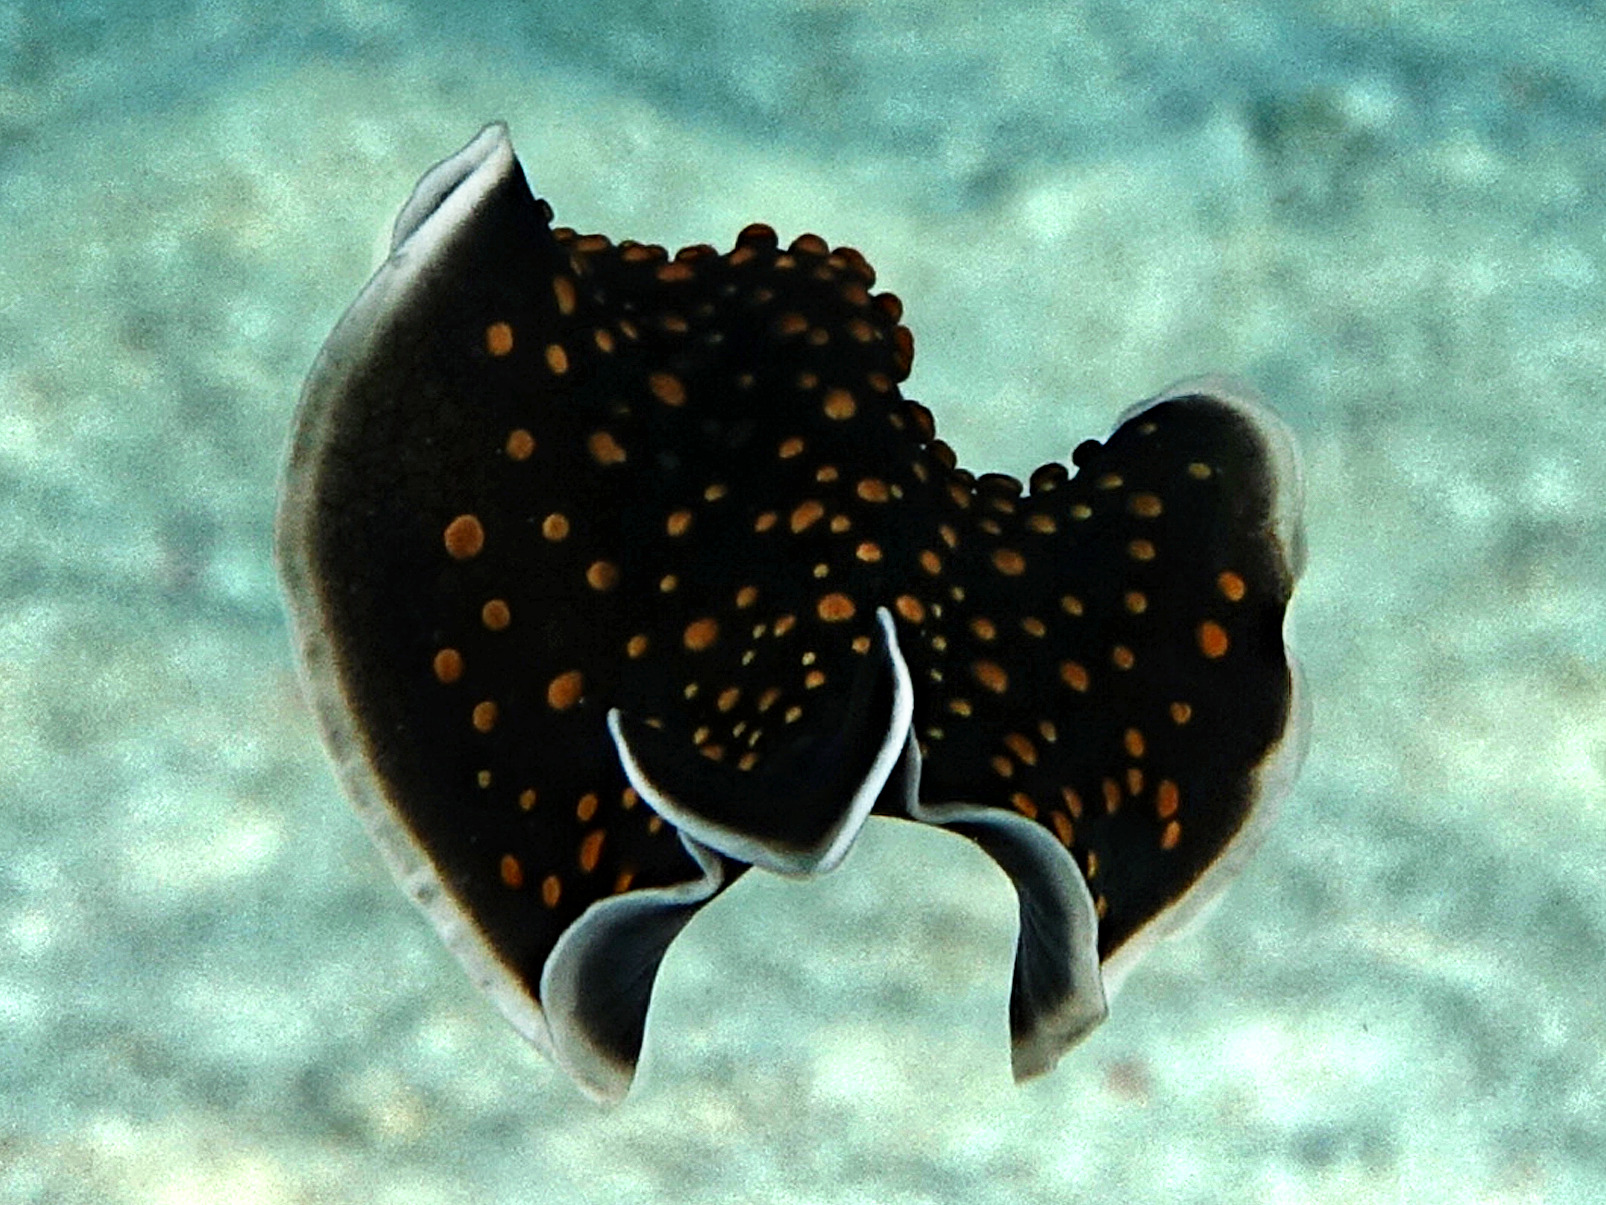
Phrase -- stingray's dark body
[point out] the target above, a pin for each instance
(616, 573)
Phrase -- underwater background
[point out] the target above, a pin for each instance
(1388, 217)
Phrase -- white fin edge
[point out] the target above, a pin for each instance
(1054, 871)
(1238, 395)
(1274, 780)
(346, 345)
(741, 846)
(601, 1076)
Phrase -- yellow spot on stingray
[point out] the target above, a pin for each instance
(765, 521)
(700, 634)
(1166, 799)
(483, 778)
(813, 680)
(872, 489)
(806, 515)
(591, 850)
(636, 647)
(495, 615)
(622, 881)
(1112, 795)
(1136, 602)
(1110, 481)
(834, 608)
(603, 339)
(793, 714)
(563, 291)
(729, 697)
(564, 691)
(1070, 604)
(602, 575)
(1231, 586)
(1048, 731)
(628, 798)
(1002, 766)
(668, 583)
(666, 387)
(484, 716)
(861, 644)
(557, 359)
(555, 526)
(1181, 713)
(1022, 747)
(784, 624)
(931, 562)
(586, 807)
(464, 537)
(868, 551)
(960, 707)
(520, 444)
(840, 523)
(551, 891)
(790, 447)
(826, 473)
(1134, 782)
(1073, 802)
(678, 523)
(1171, 835)
(768, 698)
(448, 666)
(527, 799)
(1133, 741)
(605, 448)
(983, 628)
(1212, 639)
(1042, 524)
(1024, 804)
(715, 492)
(1063, 829)
(1198, 471)
(746, 597)
(499, 338)
(910, 608)
(1145, 506)
(1141, 550)
(1009, 562)
(512, 873)
(1121, 657)
(1074, 675)
(839, 404)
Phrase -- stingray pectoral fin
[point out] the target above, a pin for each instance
(797, 806)
(597, 984)
(1057, 993)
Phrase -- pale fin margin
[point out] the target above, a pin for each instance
(745, 847)
(441, 205)
(1274, 779)
(1057, 989)
(597, 983)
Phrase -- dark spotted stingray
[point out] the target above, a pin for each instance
(614, 573)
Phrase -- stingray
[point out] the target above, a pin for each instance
(614, 573)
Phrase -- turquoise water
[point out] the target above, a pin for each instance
(1387, 218)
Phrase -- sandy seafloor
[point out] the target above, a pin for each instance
(1387, 216)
